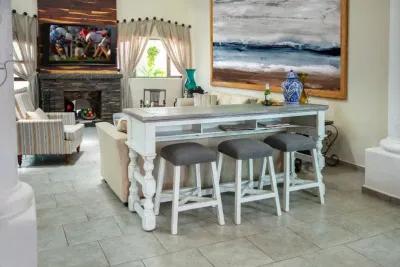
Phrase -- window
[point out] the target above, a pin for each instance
(155, 62)
(19, 83)
(17, 56)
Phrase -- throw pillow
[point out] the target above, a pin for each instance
(122, 125)
(38, 114)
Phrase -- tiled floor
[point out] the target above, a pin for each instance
(81, 223)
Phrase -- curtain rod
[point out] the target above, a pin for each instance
(154, 18)
(25, 13)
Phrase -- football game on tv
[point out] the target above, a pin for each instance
(81, 44)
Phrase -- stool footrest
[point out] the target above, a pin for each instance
(194, 199)
(198, 205)
(257, 197)
(303, 186)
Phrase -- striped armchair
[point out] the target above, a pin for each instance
(58, 135)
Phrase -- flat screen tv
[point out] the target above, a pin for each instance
(66, 44)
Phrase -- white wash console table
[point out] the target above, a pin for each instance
(148, 126)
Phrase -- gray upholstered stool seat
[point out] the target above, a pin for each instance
(188, 154)
(287, 142)
(245, 149)
(249, 150)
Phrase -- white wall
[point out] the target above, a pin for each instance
(127, 9)
(362, 119)
(29, 6)
(174, 10)
(172, 85)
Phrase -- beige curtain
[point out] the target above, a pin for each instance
(176, 39)
(25, 32)
(132, 41)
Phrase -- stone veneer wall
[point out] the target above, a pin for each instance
(53, 86)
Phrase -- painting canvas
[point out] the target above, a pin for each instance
(255, 42)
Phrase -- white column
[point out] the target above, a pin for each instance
(392, 142)
(382, 164)
(17, 204)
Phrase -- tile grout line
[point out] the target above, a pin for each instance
(255, 245)
(359, 253)
(328, 246)
(104, 253)
(204, 256)
(65, 235)
(158, 240)
(259, 249)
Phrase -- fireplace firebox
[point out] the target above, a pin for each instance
(101, 91)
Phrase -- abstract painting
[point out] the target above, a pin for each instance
(255, 42)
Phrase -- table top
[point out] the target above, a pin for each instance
(191, 112)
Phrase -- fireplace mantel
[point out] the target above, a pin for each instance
(79, 76)
(53, 86)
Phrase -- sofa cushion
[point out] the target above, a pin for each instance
(184, 102)
(24, 104)
(18, 113)
(224, 99)
(205, 100)
(239, 100)
(38, 114)
(73, 132)
(232, 99)
(122, 125)
(117, 117)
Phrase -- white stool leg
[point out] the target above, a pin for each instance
(292, 166)
(238, 191)
(220, 161)
(217, 193)
(274, 187)
(160, 183)
(251, 173)
(286, 186)
(263, 171)
(318, 176)
(198, 180)
(175, 200)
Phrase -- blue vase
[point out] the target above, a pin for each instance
(190, 83)
(292, 88)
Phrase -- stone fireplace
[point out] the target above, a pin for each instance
(102, 91)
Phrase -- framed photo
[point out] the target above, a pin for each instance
(254, 42)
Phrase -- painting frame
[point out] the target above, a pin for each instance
(340, 94)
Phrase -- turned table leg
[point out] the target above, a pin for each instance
(133, 189)
(149, 190)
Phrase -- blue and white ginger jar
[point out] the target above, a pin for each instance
(292, 88)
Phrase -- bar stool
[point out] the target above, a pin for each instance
(289, 144)
(249, 149)
(185, 154)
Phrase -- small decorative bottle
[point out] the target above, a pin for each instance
(267, 95)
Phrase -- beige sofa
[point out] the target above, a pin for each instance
(114, 159)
